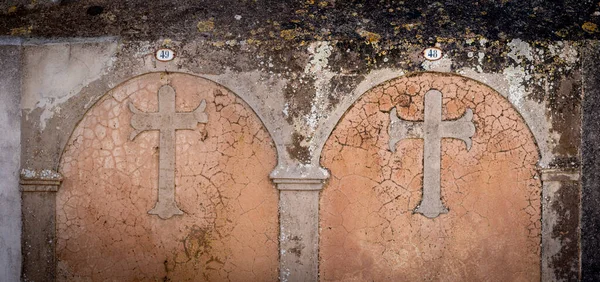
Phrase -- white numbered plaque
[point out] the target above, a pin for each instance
(165, 55)
(432, 53)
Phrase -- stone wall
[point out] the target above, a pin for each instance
(299, 125)
(319, 79)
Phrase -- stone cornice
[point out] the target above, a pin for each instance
(299, 177)
(40, 180)
(560, 174)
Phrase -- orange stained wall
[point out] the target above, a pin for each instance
(230, 226)
(368, 229)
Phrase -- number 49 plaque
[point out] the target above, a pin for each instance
(165, 55)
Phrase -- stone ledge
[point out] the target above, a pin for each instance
(299, 186)
(40, 180)
(299, 177)
(39, 187)
(567, 174)
(297, 181)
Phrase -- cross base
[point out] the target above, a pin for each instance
(165, 210)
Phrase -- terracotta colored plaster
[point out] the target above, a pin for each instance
(369, 231)
(229, 228)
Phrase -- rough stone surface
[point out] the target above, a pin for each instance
(590, 194)
(229, 227)
(299, 216)
(492, 230)
(301, 20)
(10, 147)
(39, 236)
(560, 225)
(38, 241)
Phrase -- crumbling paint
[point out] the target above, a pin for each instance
(229, 226)
(57, 72)
(265, 73)
(492, 230)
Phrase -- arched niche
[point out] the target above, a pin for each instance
(229, 226)
(369, 228)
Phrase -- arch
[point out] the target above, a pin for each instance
(230, 225)
(97, 98)
(373, 80)
(369, 228)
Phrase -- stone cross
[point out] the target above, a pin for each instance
(431, 130)
(167, 121)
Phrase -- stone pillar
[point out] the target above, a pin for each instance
(39, 224)
(560, 224)
(10, 148)
(299, 222)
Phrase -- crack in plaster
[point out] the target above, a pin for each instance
(230, 229)
(368, 229)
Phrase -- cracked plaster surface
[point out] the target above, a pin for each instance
(229, 228)
(368, 228)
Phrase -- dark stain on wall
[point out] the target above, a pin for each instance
(565, 111)
(566, 263)
(306, 20)
(297, 151)
(590, 152)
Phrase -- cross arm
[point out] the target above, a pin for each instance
(141, 121)
(462, 128)
(190, 120)
(402, 129)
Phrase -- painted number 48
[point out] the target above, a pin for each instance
(165, 55)
(432, 53)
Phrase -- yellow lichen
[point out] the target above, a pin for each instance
(561, 32)
(108, 16)
(288, 34)
(590, 27)
(21, 30)
(253, 41)
(370, 37)
(12, 9)
(205, 26)
(410, 26)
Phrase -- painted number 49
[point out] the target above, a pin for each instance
(432, 54)
(165, 55)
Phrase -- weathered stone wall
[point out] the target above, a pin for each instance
(300, 106)
(300, 67)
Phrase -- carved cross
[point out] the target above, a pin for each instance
(431, 130)
(167, 121)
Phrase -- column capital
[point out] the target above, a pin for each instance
(560, 174)
(45, 180)
(299, 177)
